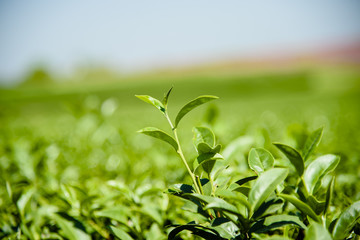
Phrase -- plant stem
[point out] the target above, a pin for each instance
(180, 152)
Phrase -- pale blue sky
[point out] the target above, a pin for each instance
(130, 35)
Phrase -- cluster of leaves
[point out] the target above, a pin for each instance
(279, 201)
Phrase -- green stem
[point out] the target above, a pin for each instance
(180, 152)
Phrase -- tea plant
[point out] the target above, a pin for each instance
(280, 200)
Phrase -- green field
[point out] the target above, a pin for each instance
(72, 165)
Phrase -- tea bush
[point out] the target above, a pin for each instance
(81, 174)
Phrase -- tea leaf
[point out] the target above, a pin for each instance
(329, 194)
(276, 221)
(293, 155)
(245, 180)
(318, 169)
(303, 207)
(312, 142)
(196, 229)
(316, 231)
(347, 221)
(265, 185)
(121, 234)
(191, 105)
(157, 133)
(260, 160)
(203, 135)
(166, 98)
(153, 101)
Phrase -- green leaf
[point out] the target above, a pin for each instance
(191, 105)
(312, 142)
(317, 206)
(316, 231)
(166, 98)
(116, 213)
(196, 229)
(203, 135)
(260, 160)
(69, 230)
(153, 101)
(303, 207)
(276, 221)
(268, 207)
(245, 180)
(265, 185)
(329, 194)
(318, 169)
(207, 161)
(121, 234)
(293, 155)
(157, 133)
(347, 221)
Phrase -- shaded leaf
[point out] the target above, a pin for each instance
(318, 169)
(245, 180)
(265, 185)
(153, 101)
(191, 105)
(316, 205)
(303, 207)
(293, 155)
(268, 207)
(157, 133)
(347, 221)
(312, 142)
(260, 160)
(316, 231)
(196, 229)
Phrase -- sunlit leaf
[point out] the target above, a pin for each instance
(264, 185)
(203, 135)
(317, 231)
(260, 160)
(153, 101)
(191, 105)
(346, 221)
(166, 98)
(312, 142)
(121, 234)
(317, 169)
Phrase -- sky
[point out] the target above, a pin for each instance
(137, 35)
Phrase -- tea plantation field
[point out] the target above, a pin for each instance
(74, 166)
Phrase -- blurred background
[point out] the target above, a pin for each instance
(69, 71)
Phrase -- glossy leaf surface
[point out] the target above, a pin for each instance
(318, 169)
(347, 221)
(203, 135)
(265, 185)
(260, 160)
